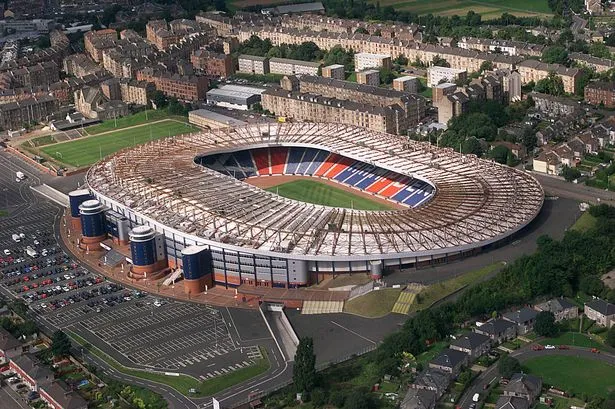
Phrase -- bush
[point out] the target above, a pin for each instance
(610, 337)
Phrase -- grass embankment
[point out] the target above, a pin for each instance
(438, 291)
(181, 383)
(584, 223)
(86, 151)
(42, 141)
(373, 304)
(574, 374)
(311, 191)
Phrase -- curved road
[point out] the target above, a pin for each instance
(492, 375)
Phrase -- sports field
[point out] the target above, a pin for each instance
(88, 150)
(312, 191)
(488, 9)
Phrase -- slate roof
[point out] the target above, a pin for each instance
(471, 340)
(603, 307)
(520, 316)
(511, 402)
(449, 358)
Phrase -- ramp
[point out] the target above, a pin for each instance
(173, 277)
(51, 194)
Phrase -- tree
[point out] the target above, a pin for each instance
(545, 324)
(401, 60)
(159, 99)
(599, 50)
(386, 76)
(570, 174)
(499, 154)
(508, 366)
(472, 145)
(486, 66)
(60, 344)
(610, 337)
(361, 30)
(439, 61)
(552, 85)
(356, 401)
(555, 55)
(304, 371)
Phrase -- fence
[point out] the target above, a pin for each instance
(361, 290)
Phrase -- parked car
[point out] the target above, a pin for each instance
(549, 346)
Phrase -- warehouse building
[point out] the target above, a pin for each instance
(235, 96)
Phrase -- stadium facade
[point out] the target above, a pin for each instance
(191, 189)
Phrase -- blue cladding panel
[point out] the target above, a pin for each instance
(75, 201)
(143, 252)
(93, 225)
(197, 265)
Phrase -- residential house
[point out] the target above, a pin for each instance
(523, 386)
(433, 380)
(499, 330)
(554, 106)
(551, 161)
(510, 402)
(561, 308)
(58, 395)
(10, 347)
(524, 318)
(31, 372)
(472, 343)
(419, 399)
(601, 311)
(597, 93)
(450, 361)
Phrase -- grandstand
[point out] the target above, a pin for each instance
(192, 189)
(303, 161)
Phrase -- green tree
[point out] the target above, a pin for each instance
(159, 99)
(555, 55)
(508, 366)
(552, 85)
(357, 401)
(60, 344)
(570, 174)
(439, 61)
(304, 370)
(499, 154)
(361, 30)
(545, 325)
(386, 76)
(610, 337)
(401, 60)
(472, 145)
(599, 50)
(318, 397)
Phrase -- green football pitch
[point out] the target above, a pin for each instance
(312, 191)
(89, 150)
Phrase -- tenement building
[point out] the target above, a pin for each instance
(597, 93)
(310, 107)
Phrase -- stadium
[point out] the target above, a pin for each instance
(199, 190)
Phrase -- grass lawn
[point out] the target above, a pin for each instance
(373, 304)
(131, 120)
(3, 213)
(182, 383)
(574, 374)
(572, 338)
(584, 223)
(442, 289)
(311, 191)
(86, 151)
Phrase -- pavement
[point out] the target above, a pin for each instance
(492, 375)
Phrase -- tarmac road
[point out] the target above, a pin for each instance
(523, 354)
(580, 192)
